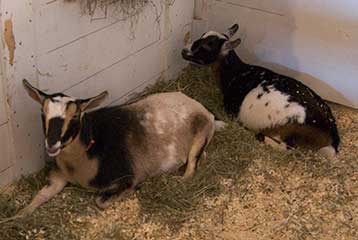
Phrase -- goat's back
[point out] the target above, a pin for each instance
(147, 137)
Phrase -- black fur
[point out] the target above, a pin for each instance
(43, 120)
(54, 130)
(72, 129)
(110, 128)
(205, 50)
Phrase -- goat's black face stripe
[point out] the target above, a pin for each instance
(43, 122)
(54, 130)
(72, 130)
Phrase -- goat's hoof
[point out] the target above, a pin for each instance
(24, 212)
(328, 152)
(102, 204)
(186, 177)
(260, 137)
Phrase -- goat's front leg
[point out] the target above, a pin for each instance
(57, 183)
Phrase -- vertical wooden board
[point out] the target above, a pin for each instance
(5, 142)
(74, 63)
(319, 54)
(3, 111)
(6, 176)
(25, 122)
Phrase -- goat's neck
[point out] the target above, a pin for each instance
(226, 67)
(74, 150)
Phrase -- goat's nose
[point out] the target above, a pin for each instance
(55, 145)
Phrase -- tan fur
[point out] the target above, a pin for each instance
(57, 183)
(75, 155)
(275, 142)
(312, 138)
(70, 112)
(202, 137)
(45, 110)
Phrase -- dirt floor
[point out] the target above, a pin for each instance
(242, 190)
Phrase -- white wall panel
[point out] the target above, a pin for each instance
(78, 60)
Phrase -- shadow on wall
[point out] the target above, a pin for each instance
(303, 42)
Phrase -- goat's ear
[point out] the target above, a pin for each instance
(33, 92)
(89, 103)
(230, 45)
(232, 30)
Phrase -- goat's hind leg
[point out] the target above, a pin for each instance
(275, 142)
(57, 183)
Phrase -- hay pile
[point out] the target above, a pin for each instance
(123, 8)
(242, 190)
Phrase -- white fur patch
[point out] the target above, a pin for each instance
(213, 33)
(57, 108)
(171, 162)
(160, 122)
(271, 109)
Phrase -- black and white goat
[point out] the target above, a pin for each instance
(113, 149)
(281, 110)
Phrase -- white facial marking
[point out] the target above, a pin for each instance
(56, 146)
(271, 109)
(213, 33)
(55, 153)
(57, 108)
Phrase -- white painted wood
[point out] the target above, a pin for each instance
(5, 160)
(3, 112)
(26, 138)
(313, 41)
(78, 61)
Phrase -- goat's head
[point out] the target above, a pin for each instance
(61, 116)
(210, 46)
